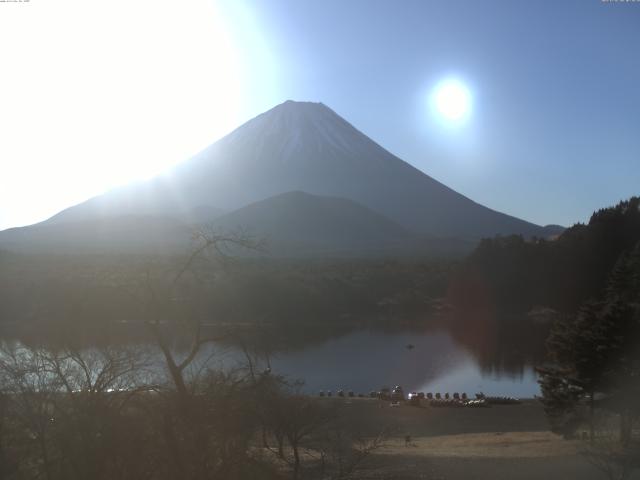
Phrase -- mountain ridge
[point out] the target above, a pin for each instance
(306, 147)
(298, 221)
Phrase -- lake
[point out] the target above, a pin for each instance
(427, 359)
(366, 360)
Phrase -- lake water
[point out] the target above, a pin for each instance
(366, 360)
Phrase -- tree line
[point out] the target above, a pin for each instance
(37, 291)
(512, 273)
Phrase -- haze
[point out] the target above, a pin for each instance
(96, 94)
(319, 239)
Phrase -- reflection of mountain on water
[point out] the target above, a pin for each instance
(452, 354)
(366, 359)
(469, 377)
(501, 344)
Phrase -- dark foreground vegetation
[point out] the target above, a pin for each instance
(593, 371)
(106, 414)
(91, 291)
(111, 412)
(590, 275)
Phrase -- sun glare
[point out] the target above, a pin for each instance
(451, 101)
(111, 92)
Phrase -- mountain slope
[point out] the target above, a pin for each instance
(122, 234)
(297, 222)
(290, 224)
(302, 146)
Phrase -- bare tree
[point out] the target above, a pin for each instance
(29, 394)
(296, 418)
(191, 439)
(344, 453)
(208, 245)
(615, 460)
(70, 410)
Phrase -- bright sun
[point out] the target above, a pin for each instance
(451, 101)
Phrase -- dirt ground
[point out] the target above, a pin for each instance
(510, 442)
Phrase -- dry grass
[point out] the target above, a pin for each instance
(485, 445)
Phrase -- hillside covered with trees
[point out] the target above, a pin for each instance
(590, 276)
(514, 274)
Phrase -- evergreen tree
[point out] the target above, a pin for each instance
(564, 273)
(597, 352)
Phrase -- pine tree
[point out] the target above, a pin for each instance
(596, 352)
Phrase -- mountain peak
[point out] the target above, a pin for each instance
(300, 103)
(292, 129)
(295, 107)
(292, 110)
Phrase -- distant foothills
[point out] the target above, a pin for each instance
(298, 176)
(483, 294)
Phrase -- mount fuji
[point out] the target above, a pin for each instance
(294, 147)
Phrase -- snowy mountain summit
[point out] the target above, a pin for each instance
(292, 129)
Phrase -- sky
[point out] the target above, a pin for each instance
(94, 94)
